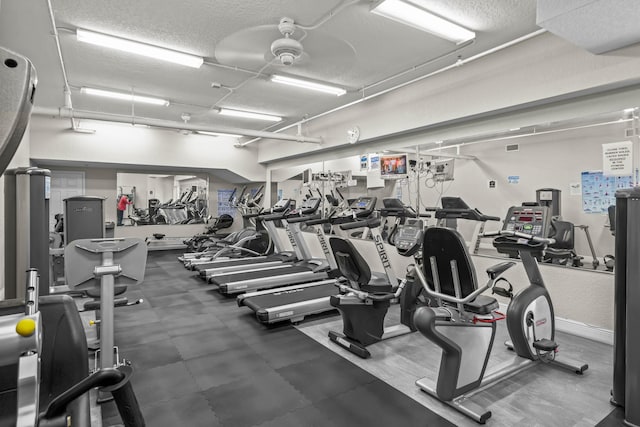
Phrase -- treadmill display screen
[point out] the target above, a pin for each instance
(525, 218)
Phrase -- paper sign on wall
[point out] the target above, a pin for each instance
(617, 159)
(374, 161)
(364, 162)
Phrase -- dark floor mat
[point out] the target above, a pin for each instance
(203, 361)
(254, 399)
(614, 419)
(378, 404)
(342, 379)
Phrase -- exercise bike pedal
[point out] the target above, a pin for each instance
(545, 345)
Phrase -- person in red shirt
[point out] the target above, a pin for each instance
(123, 202)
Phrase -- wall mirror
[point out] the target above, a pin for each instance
(163, 199)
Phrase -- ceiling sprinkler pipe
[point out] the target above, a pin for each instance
(167, 124)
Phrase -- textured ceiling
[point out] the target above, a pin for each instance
(354, 49)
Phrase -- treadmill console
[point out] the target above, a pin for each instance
(308, 207)
(408, 238)
(528, 219)
(361, 207)
(281, 206)
(395, 207)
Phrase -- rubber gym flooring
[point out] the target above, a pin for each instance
(200, 360)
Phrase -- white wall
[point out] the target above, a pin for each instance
(130, 145)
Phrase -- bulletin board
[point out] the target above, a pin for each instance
(599, 191)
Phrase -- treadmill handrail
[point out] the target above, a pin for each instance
(293, 220)
(370, 223)
(470, 214)
(273, 216)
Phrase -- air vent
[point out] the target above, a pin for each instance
(512, 147)
(629, 132)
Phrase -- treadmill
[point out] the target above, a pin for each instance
(454, 208)
(306, 269)
(296, 302)
(280, 258)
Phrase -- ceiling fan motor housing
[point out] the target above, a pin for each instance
(287, 50)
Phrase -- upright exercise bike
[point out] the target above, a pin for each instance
(464, 325)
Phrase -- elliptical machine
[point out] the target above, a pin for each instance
(464, 325)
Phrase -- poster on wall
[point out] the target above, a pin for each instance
(374, 161)
(617, 159)
(224, 204)
(599, 191)
(364, 162)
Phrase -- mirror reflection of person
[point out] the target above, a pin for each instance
(123, 202)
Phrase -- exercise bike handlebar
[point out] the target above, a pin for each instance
(508, 233)
(450, 298)
(382, 296)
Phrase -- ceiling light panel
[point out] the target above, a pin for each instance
(305, 84)
(138, 48)
(415, 16)
(249, 115)
(124, 96)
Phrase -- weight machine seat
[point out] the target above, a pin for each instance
(95, 292)
(446, 245)
(352, 266)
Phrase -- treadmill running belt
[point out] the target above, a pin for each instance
(292, 296)
(245, 261)
(249, 275)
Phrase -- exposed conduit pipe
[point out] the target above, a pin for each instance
(167, 124)
(417, 79)
(67, 89)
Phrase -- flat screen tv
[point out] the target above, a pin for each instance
(394, 166)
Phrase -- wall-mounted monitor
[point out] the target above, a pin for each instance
(394, 166)
(442, 169)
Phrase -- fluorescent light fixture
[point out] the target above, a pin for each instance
(124, 96)
(139, 48)
(249, 115)
(417, 17)
(233, 135)
(305, 84)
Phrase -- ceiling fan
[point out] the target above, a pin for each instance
(312, 53)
